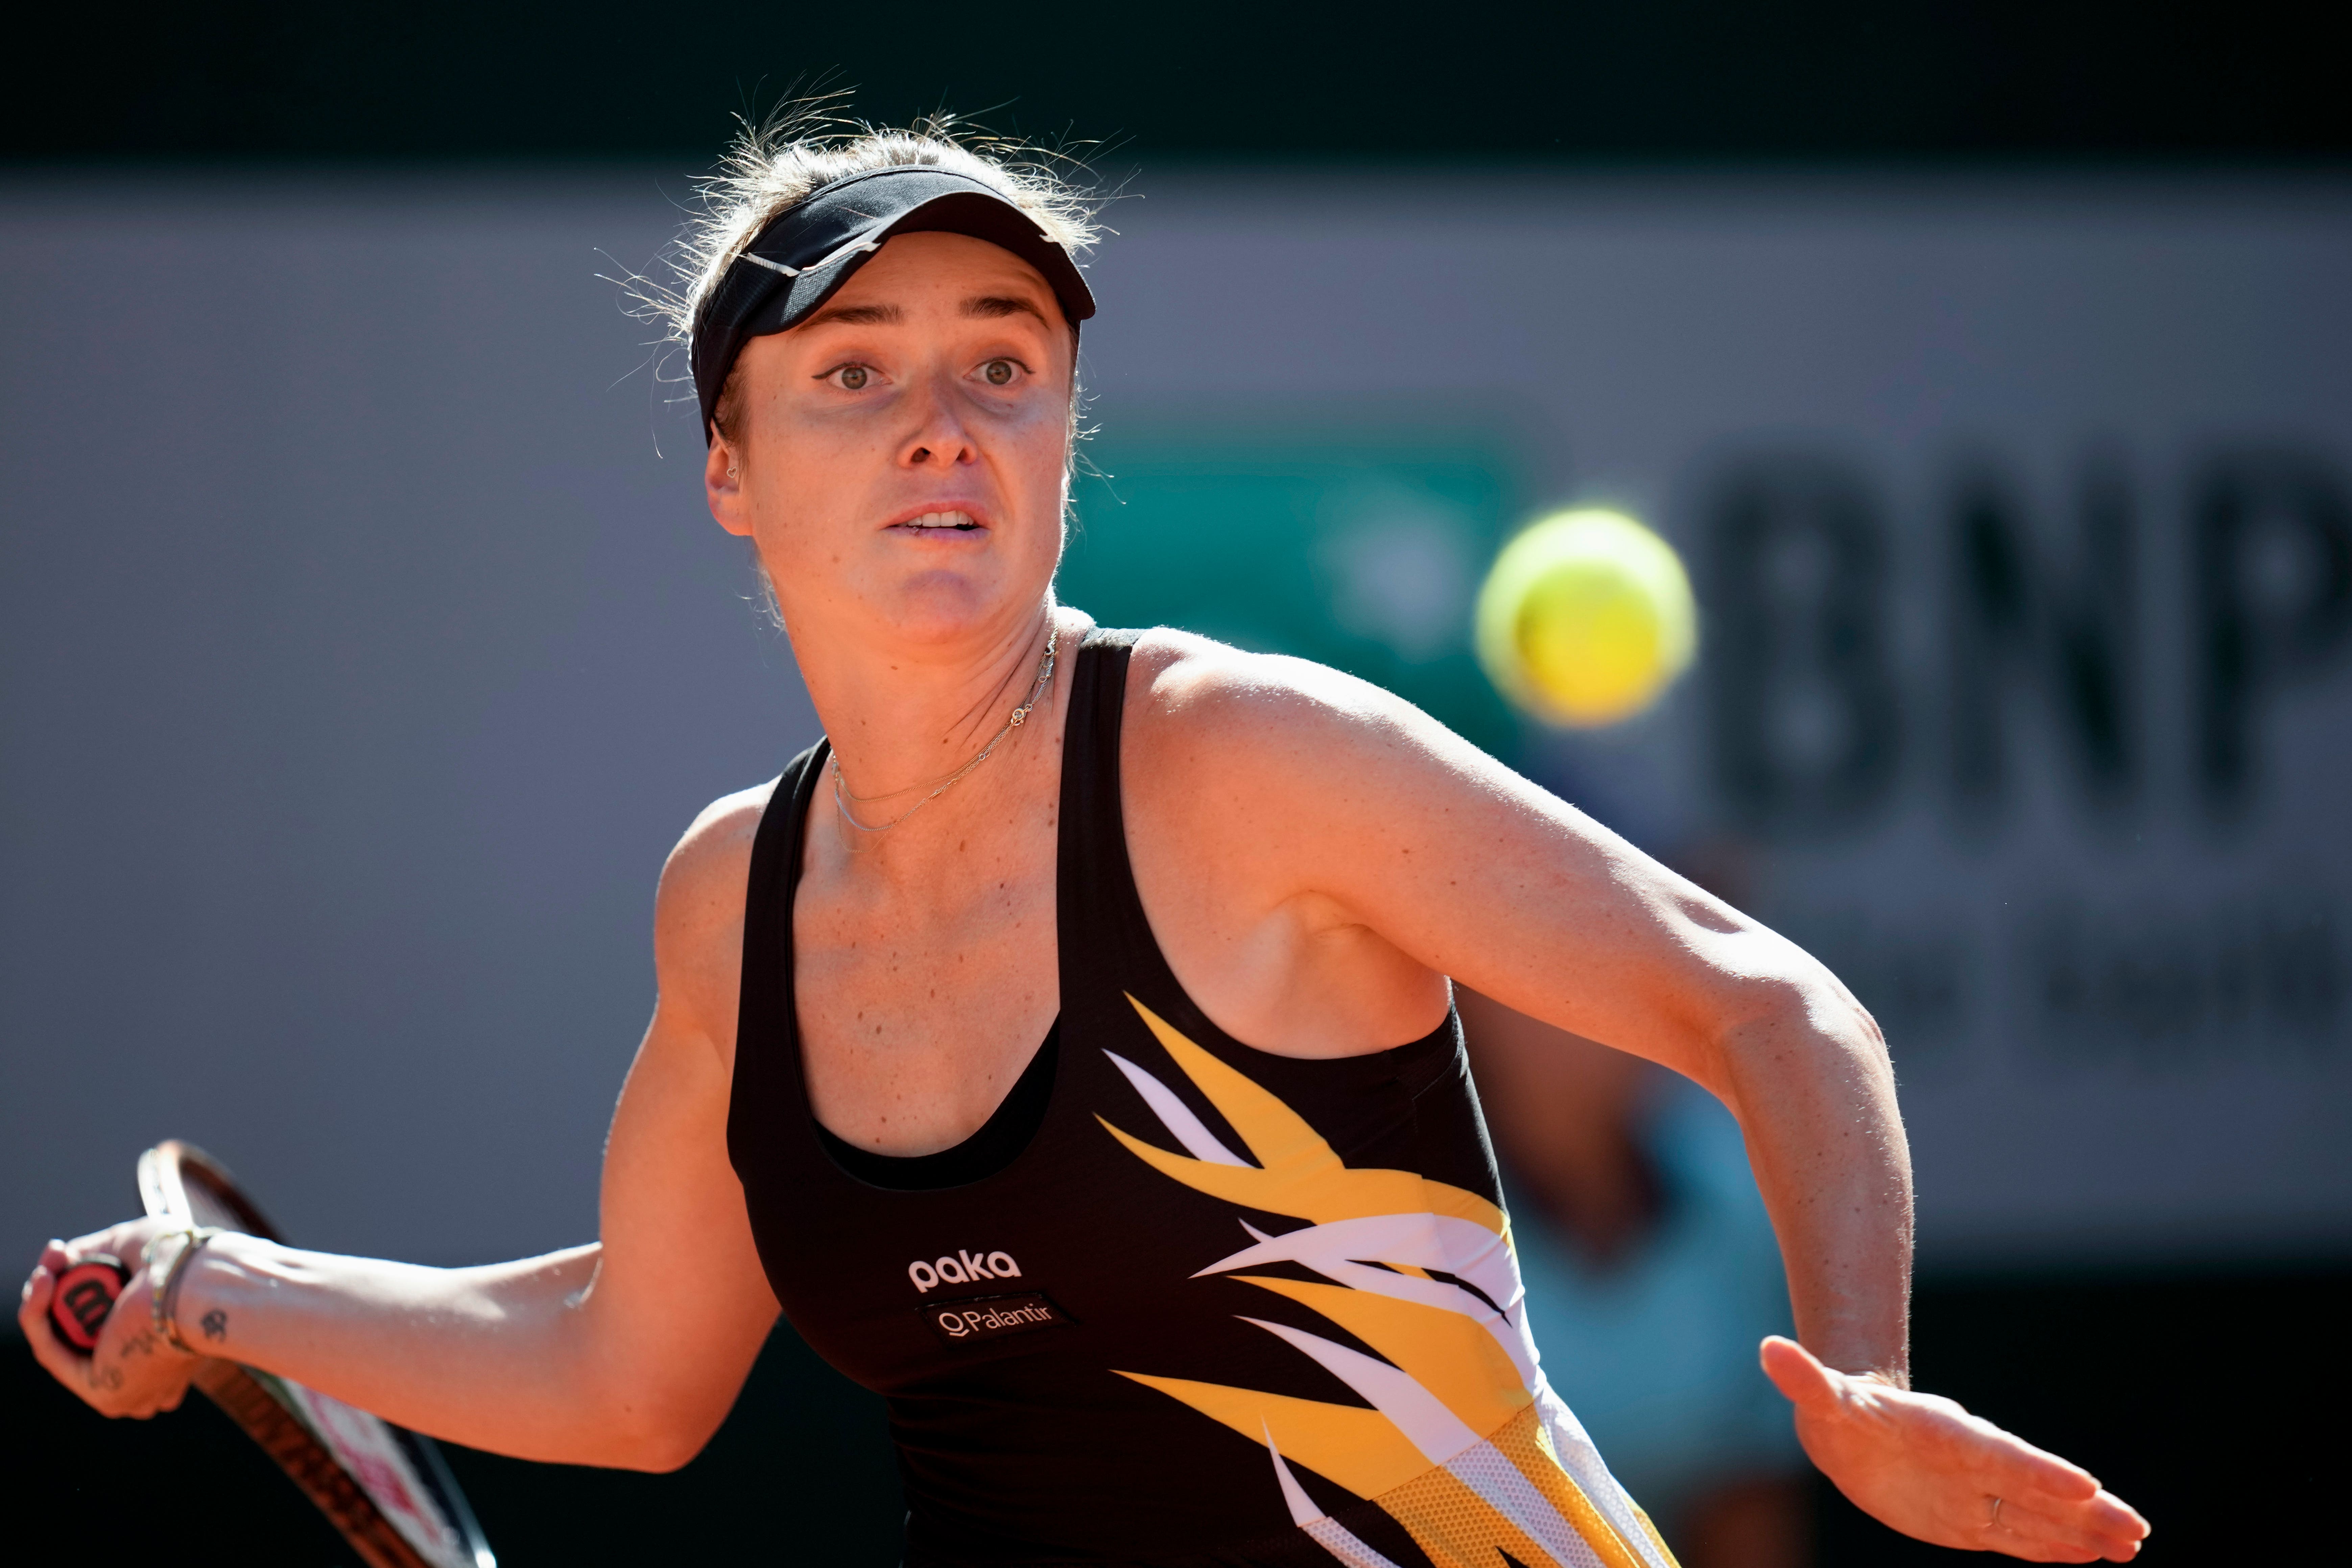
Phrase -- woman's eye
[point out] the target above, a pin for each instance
(852, 377)
(999, 372)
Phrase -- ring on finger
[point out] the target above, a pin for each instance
(1992, 1521)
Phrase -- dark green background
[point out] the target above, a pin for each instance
(1706, 79)
(1230, 532)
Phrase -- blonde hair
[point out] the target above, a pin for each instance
(778, 160)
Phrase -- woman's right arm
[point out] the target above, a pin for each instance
(628, 1352)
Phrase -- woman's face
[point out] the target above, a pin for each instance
(902, 453)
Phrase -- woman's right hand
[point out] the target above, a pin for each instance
(135, 1371)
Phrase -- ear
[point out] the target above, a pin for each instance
(722, 487)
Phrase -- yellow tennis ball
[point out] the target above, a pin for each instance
(1585, 618)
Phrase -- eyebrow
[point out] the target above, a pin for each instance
(859, 316)
(990, 307)
(980, 306)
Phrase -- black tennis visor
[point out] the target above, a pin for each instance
(809, 250)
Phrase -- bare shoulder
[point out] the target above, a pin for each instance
(1208, 710)
(699, 910)
(710, 865)
(1293, 777)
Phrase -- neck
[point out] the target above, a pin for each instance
(902, 720)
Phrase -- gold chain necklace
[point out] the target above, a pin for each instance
(1019, 717)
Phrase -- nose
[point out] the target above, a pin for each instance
(939, 436)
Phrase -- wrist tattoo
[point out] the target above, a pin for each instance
(215, 1324)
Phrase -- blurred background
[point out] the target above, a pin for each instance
(365, 645)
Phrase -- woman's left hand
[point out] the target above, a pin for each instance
(1926, 1467)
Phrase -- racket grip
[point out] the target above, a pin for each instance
(85, 1293)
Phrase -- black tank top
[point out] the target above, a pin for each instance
(1180, 1302)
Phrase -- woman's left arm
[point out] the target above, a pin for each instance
(1371, 820)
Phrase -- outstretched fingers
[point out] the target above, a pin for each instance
(2041, 1533)
(1928, 1467)
(2013, 1467)
(2047, 1501)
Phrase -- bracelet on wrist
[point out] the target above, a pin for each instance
(164, 1289)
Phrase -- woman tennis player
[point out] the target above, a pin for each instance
(1066, 1043)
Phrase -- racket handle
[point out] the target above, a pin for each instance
(85, 1293)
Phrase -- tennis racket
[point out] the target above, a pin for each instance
(387, 1490)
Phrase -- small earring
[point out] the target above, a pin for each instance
(733, 472)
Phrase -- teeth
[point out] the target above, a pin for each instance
(943, 520)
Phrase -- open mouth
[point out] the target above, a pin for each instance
(941, 522)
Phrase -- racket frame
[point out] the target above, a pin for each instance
(181, 1181)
